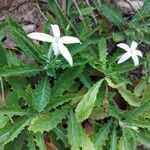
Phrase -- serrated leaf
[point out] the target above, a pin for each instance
(74, 138)
(3, 58)
(138, 111)
(140, 123)
(3, 120)
(129, 96)
(23, 42)
(85, 107)
(129, 139)
(10, 132)
(65, 81)
(77, 137)
(29, 96)
(86, 143)
(42, 94)
(113, 14)
(144, 10)
(144, 138)
(39, 139)
(102, 135)
(24, 70)
(48, 121)
(14, 110)
(103, 52)
(31, 143)
(113, 139)
(121, 145)
(61, 100)
(18, 85)
(61, 134)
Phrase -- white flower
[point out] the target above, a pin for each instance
(57, 42)
(130, 52)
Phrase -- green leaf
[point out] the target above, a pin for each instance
(74, 138)
(129, 96)
(3, 120)
(61, 100)
(42, 94)
(129, 139)
(48, 121)
(86, 11)
(65, 81)
(60, 132)
(86, 144)
(103, 52)
(102, 135)
(145, 10)
(140, 123)
(10, 132)
(29, 96)
(39, 139)
(3, 58)
(18, 84)
(56, 9)
(24, 70)
(23, 42)
(77, 137)
(14, 110)
(113, 14)
(31, 143)
(113, 140)
(12, 59)
(136, 112)
(144, 138)
(121, 145)
(3, 26)
(85, 107)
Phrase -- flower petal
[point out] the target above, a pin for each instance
(69, 40)
(56, 30)
(138, 53)
(66, 54)
(41, 37)
(124, 57)
(124, 46)
(135, 60)
(55, 48)
(134, 45)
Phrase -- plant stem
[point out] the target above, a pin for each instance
(2, 88)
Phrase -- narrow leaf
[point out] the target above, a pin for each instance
(42, 94)
(86, 105)
(10, 132)
(65, 81)
(14, 110)
(129, 97)
(40, 141)
(73, 133)
(113, 140)
(48, 121)
(129, 139)
(24, 70)
(102, 135)
(113, 14)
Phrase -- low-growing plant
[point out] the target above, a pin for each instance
(91, 97)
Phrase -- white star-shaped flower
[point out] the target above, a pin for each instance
(130, 52)
(57, 42)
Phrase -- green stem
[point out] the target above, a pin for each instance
(2, 88)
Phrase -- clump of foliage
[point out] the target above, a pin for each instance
(96, 104)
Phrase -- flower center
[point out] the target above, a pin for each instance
(57, 40)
